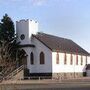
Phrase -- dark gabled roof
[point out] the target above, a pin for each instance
(60, 44)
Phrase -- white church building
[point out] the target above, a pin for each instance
(49, 55)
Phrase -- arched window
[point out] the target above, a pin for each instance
(76, 59)
(65, 59)
(32, 58)
(42, 58)
(57, 58)
(81, 60)
(86, 59)
(71, 61)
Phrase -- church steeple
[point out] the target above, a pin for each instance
(24, 29)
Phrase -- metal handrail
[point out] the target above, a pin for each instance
(6, 69)
(14, 72)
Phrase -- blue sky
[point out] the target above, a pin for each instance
(64, 18)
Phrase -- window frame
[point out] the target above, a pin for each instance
(76, 59)
(31, 58)
(81, 60)
(57, 58)
(86, 60)
(42, 58)
(65, 59)
(71, 59)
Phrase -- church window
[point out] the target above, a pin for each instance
(65, 59)
(32, 58)
(81, 60)
(22, 36)
(57, 58)
(42, 58)
(86, 59)
(71, 61)
(76, 59)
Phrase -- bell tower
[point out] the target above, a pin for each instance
(24, 29)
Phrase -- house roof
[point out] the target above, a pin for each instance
(55, 43)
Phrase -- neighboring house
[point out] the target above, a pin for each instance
(88, 70)
(49, 55)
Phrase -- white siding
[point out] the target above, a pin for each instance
(61, 67)
(37, 67)
(88, 60)
(50, 60)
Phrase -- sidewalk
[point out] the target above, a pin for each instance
(46, 81)
(45, 84)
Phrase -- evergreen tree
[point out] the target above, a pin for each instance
(7, 32)
(8, 40)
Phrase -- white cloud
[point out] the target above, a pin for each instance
(33, 2)
(38, 2)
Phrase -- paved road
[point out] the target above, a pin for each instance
(48, 86)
